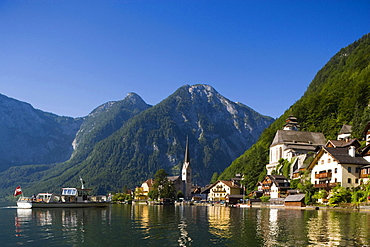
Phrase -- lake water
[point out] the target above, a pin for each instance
(142, 225)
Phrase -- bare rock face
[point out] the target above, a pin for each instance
(30, 136)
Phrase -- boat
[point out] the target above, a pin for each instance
(70, 198)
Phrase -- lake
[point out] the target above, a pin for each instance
(142, 225)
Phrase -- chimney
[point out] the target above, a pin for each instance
(352, 151)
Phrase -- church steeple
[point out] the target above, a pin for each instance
(291, 123)
(187, 155)
(186, 174)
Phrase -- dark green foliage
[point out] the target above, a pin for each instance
(214, 178)
(164, 186)
(339, 94)
(340, 195)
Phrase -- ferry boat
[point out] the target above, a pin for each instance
(70, 198)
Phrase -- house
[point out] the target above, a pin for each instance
(295, 200)
(275, 186)
(141, 193)
(345, 132)
(343, 143)
(365, 153)
(219, 190)
(332, 166)
(299, 165)
(290, 143)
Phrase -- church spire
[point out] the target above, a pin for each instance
(186, 174)
(187, 155)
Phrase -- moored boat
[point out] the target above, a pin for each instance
(70, 198)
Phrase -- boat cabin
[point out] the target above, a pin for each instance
(75, 195)
(44, 197)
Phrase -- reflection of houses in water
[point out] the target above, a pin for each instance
(140, 213)
(267, 226)
(324, 228)
(219, 221)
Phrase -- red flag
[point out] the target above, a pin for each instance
(17, 191)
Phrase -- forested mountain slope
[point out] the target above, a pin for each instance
(120, 146)
(339, 94)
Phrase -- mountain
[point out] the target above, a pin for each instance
(30, 136)
(104, 121)
(339, 94)
(128, 149)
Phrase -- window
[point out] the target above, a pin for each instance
(356, 181)
(349, 169)
(349, 180)
(357, 169)
(335, 170)
(335, 180)
(322, 162)
(329, 160)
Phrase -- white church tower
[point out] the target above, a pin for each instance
(186, 174)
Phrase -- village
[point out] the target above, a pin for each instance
(306, 155)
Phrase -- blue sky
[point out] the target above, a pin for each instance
(68, 57)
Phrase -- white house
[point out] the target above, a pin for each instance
(332, 166)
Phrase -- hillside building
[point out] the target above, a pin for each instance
(291, 143)
(332, 166)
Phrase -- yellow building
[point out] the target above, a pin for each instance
(141, 193)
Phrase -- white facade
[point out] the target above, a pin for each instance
(328, 172)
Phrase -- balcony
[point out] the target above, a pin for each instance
(323, 175)
(219, 191)
(326, 185)
(364, 175)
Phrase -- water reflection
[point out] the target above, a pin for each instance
(145, 225)
(58, 224)
(335, 228)
(23, 216)
(219, 221)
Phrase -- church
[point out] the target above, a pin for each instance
(186, 174)
(181, 183)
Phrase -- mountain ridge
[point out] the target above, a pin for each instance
(117, 145)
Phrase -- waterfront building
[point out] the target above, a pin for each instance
(141, 193)
(332, 166)
(222, 188)
(274, 186)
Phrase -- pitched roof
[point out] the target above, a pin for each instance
(279, 180)
(149, 182)
(343, 157)
(173, 178)
(343, 143)
(230, 184)
(346, 129)
(294, 198)
(299, 138)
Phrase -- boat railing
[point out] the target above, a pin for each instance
(23, 198)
